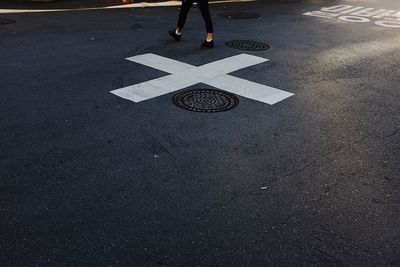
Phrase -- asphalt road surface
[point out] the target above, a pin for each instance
(92, 179)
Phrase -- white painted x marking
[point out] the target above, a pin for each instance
(215, 74)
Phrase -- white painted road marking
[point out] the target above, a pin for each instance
(381, 17)
(215, 74)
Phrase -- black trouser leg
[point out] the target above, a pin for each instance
(205, 12)
(185, 7)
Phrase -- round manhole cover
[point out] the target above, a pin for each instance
(239, 15)
(206, 100)
(248, 45)
(6, 21)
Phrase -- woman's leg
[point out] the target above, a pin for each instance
(185, 7)
(205, 12)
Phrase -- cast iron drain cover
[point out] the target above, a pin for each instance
(6, 21)
(247, 45)
(239, 15)
(206, 100)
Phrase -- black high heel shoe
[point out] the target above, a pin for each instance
(207, 44)
(173, 34)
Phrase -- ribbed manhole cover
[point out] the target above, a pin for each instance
(239, 15)
(248, 45)
(6, 21)
(206, 100)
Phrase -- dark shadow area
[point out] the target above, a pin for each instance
(57, 4)
(72, 4)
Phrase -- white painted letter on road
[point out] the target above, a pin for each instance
(381, 17)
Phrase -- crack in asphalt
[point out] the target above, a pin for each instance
(396, 131)
(239, 194)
